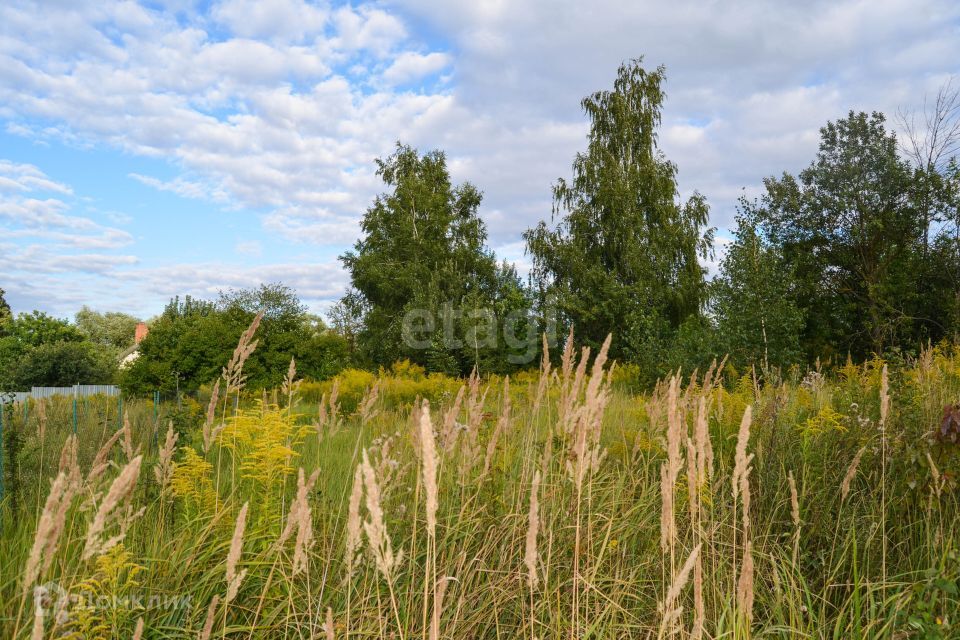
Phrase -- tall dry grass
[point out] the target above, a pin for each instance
(554, 505)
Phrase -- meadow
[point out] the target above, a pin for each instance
(556, 504)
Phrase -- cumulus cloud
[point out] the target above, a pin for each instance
(410, 66)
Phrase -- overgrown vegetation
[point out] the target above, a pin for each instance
(720, 505)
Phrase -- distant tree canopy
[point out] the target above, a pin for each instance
(423, 252)
(857, 254)
(852, 238)
(39, 350)
(5, 312)
(191, 341)
(623, 258)
(754, 303)
(110, 329)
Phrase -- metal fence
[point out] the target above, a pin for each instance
(76, 391)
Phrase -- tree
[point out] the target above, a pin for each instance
(931, 144)
(623, 258)
(36, 328)
(192, 340)
(112, 329)
(5, 314)
(753, 303)
(850, 230)
(284, 330)
(63, 364)
(423, 251)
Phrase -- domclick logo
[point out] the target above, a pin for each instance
(50, 597)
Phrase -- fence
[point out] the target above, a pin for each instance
(77, 391)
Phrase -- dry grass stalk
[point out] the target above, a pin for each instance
(670, 608)
(693, 503)
(68, 460)
(367, 407)
(354, 524)
(430, 462)
(233, 577)
(439, 592)
(120, 491)
(233, 372)
(333, 403)
(381, 546)
(795, 516)
(884, 397)
(741, 459)
(290, 384)
(530, 556)
(502, 424)
(794, 500)
(128, 449)
(938, 483)
(321, 415)
(586, 420)
(670, 469)
(544, 382)
(38, 616)
(745, 584)
(300, 519)
(328, 631)
(851, 474)
(211, 615)
(163, 471)
(450, 430)
(41, 419)
(49, 527)
(138, 630)
(469, 449)
(704, 448)
(101, 462)
(210, 432)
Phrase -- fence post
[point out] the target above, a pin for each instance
(74, 414)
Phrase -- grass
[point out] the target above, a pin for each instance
(439, 537)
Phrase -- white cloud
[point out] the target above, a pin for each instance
(275, 19)
(410, 66)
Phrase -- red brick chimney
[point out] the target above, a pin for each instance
(141, 332)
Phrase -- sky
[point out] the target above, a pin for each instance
(174, 147)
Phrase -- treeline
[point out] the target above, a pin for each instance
(858, 254)
(191, 341)
(39, 350)
(187, 344)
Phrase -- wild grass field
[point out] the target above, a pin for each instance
(557, 504)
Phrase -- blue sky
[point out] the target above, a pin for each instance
(176, 147)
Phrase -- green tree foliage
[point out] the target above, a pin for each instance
(423, 250)
(850, 229)
(63, 364)
(189, 343)
(39, 350)
(112, 329)
(753, 304)
(624, 257)
(5, 313)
